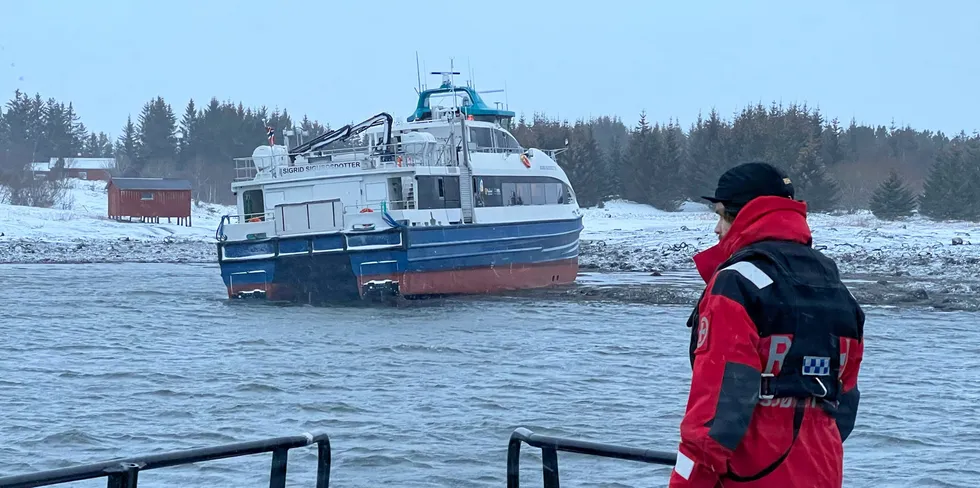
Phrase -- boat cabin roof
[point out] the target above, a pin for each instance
(468, 101)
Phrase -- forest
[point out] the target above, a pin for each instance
(892, 171)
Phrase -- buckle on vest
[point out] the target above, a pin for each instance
(822, 387)
(764, 387)
(793, 389)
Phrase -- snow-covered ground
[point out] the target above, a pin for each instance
(622, 236)
(78, 229)
(630, 236)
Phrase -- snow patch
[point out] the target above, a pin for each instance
(78, 229)
(82, 215)
(627, 236)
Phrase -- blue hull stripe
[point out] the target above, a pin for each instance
(430, 249)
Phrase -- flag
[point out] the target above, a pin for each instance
(271, 133)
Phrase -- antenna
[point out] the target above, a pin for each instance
(418, 73)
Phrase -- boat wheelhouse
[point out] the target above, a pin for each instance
(447, 202)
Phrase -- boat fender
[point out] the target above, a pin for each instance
(525, 160)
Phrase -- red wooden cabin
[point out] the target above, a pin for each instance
(149, 199)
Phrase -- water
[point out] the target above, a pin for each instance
(102, 361)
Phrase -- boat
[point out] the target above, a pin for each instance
(446, 202)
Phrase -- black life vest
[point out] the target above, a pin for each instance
(807, 300)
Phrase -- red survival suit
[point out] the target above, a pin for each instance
(776, 345)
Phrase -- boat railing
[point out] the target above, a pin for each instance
(233, 219)
(124, 473)
(394, 155)
(549, 454)
(386, 205)
(496, 150)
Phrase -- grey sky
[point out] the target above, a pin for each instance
(338, 62)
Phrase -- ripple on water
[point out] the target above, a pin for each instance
(417, 396)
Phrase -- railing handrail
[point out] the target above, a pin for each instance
(123, 471)
(550, 446)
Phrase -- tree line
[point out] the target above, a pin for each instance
(890, 170)
(199, 146)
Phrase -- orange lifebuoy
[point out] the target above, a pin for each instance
(525, 160)
(255, 219)
(366, 210)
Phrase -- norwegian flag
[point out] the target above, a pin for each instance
(271, 133)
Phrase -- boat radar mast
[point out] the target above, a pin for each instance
(472, 104)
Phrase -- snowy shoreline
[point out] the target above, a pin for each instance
(625, 236)
(622, 236)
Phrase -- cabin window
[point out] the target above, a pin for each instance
(505, 191)
(438, 192)
(146, 195)
(481, 137)
(253, 205)
(488, 191)
(506, 141)
(551, 193)
(537, 193)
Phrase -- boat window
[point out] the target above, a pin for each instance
(253, 204)
(510, 194)
(537, 193)
(524, 193)
(505, 191)
(438, 192)
(488, 191)
(551, 193)
(482, 137)
(505, 140)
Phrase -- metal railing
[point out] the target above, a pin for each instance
(123, 473)
(234, 219)
(549, 454)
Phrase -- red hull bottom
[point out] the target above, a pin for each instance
(470, 281)
(482, 280)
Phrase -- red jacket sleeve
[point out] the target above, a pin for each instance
(852, 353)
(724, 387)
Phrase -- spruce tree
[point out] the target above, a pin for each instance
(611, 183)
(892, 199)
(157, 130)
(811, 182)
(943, 190)
(582, 163)
(127, 150)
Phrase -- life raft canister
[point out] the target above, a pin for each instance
(525, 160)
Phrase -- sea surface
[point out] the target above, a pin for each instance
(111, 360)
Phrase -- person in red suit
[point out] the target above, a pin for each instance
(776, 346)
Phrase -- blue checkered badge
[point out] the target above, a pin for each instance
(816, 366)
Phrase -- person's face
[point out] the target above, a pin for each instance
(723, 224)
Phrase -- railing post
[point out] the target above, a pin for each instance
(549, 464)
(277, 478)
(514, 462)
(123, 476)
(323, 463)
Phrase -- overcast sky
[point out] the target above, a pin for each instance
(873, 60)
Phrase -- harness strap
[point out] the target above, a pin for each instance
(797, 423)
(796, 386)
